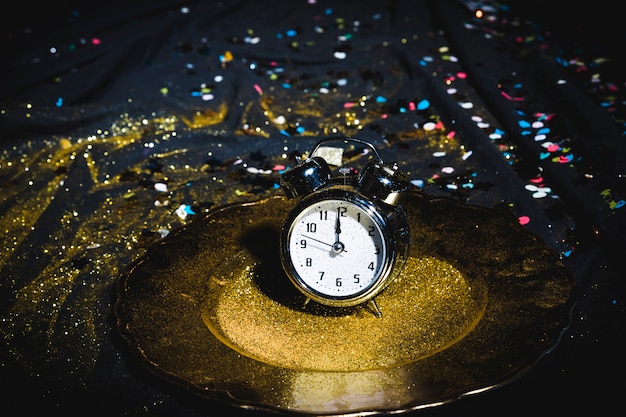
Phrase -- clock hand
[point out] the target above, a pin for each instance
(337, 247)
(337, 225)
(318, 241)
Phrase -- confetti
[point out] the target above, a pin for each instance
(184, 210)
(160, 187)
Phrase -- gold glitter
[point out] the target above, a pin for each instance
(247, 320)
(206, 117)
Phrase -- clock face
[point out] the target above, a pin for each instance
(336, 249)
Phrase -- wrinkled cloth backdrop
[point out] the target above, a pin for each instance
(121, 122)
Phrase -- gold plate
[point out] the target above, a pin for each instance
(480, 300)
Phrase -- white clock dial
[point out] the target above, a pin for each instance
(337, 248)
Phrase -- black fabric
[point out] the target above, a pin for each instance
(118, 63)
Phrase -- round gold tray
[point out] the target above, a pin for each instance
(479, 301)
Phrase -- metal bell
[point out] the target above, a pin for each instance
(382, 181)
(306, 177)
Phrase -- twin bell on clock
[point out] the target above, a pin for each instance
(347, 238)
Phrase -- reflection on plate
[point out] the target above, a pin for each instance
(208, 308)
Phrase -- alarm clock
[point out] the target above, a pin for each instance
(347, 237)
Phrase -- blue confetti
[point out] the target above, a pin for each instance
(418, 183)
(423, 105)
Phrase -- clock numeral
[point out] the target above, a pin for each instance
(321, 275)
(323, 215)
(357, 278)
(311, 227)
(342, 211)
(371, 266)
(338, 282)
(303, 244)
(376, 249)
(370, 230)
(309, 262)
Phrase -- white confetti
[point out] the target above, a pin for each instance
(429, 126)
(161, 187)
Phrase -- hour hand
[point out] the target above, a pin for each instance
(336, 247)
(317, 240)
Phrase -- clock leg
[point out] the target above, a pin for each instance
(372, 304)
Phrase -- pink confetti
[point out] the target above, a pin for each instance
(509, 97)
(612, 87)
(524, 220)
(543, 116)
(258, 89)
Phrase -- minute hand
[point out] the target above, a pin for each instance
(338, 247)
(337, 226)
